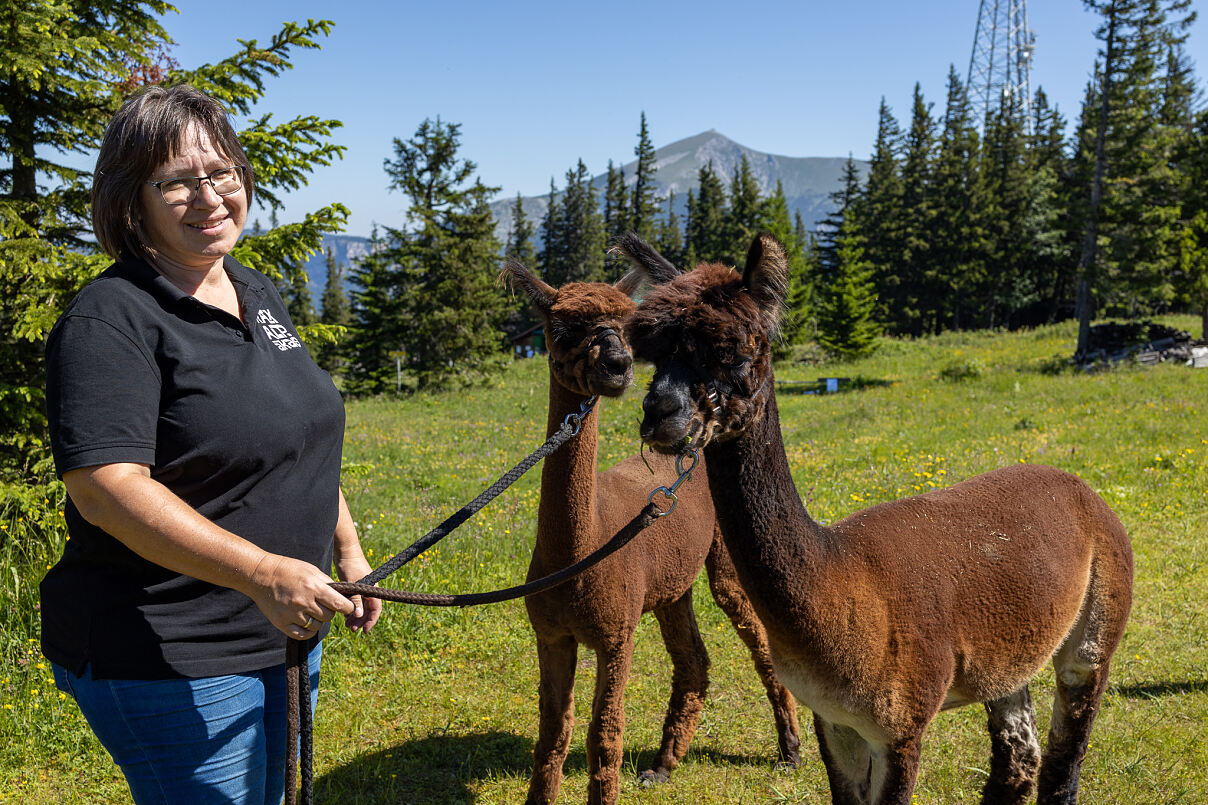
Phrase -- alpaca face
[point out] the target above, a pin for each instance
(584, 328)
(588, 354)
(708, 335)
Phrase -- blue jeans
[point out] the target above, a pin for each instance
(217, 740)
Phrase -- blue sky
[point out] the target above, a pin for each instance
(538, 85)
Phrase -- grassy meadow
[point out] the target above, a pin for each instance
(440, 706)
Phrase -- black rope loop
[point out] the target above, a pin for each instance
(568, 430)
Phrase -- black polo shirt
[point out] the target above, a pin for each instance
(235, 419)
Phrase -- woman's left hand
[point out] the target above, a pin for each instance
(366, 610)
(351, 565)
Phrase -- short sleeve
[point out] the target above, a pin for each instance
(102, 395)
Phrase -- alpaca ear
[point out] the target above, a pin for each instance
(766, 276)
(630, 283)
(651, 265)
(539, 293)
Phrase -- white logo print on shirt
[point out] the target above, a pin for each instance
(277, 333)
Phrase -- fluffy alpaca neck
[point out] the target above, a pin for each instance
(766, 527)
(566, 516)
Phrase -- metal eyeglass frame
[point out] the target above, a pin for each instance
(194, 184)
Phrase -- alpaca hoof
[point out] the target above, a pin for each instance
(789, 760)
(788, 763)
(652, 777)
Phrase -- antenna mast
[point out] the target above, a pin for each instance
(1001, 61)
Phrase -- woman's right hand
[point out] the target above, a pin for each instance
(295, 596)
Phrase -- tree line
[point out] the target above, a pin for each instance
(958, 223)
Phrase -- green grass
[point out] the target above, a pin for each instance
(439, 706)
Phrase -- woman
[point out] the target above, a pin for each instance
(200, 447)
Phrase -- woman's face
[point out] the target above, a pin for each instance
(196, 235)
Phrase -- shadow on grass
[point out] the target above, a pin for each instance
(443, 769)
(1154, 690)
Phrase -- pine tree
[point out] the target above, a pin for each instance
(1051, 261)
(955, 204)
(553, 246)
(616, 218)
(877, 217)
(1192, 277)
(374, 349)
(1006, 285)
(520, 236)
(582, 229)
(705, 238)
(336, 313)
(917, 298)
(1130, 229)
(669, 238)
(744, 218)
(438, 275)
(66, 68)
(643, 207)
(774, 213)
(842, 202)
(847, 325)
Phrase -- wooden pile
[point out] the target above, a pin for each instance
(1145, 342)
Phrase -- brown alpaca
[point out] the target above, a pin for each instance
(581, 509)
(899, 611)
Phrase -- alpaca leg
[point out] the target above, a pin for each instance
(557, 717)
(729, 595)
(862, 773)
(894, 770)
(689, 684)
(1075, 704)
(1081, 667)
(1015, 749)
(847, 760)
(606, 732)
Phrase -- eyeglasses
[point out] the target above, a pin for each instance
(184, 189)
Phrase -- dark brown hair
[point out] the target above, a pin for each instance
(145, 133)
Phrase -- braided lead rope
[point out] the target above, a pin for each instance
(570, 427)
(296, 656)
(298, 671)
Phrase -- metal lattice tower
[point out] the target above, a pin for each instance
(1001, 62)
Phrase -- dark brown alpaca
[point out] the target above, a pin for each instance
(887, 617)
(581, 509)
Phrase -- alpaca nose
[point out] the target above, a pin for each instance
(615, 361)
(657, 405)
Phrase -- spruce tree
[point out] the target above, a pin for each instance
(842, 201)
(520, 236)
(553, 246)
(582, 230)
(955, 205)
(438, 274)
(1051, 258)
(1130, 233)
(336, 313)
(644, 207)
(1005, 250)
(1192, 276)
(374, 349)
(66, 69)
(917, 295)
(847, 326)
(706, 237)
(774, 214)
(744, 219)
(669, 238)
(616, 219)
(877, 216)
